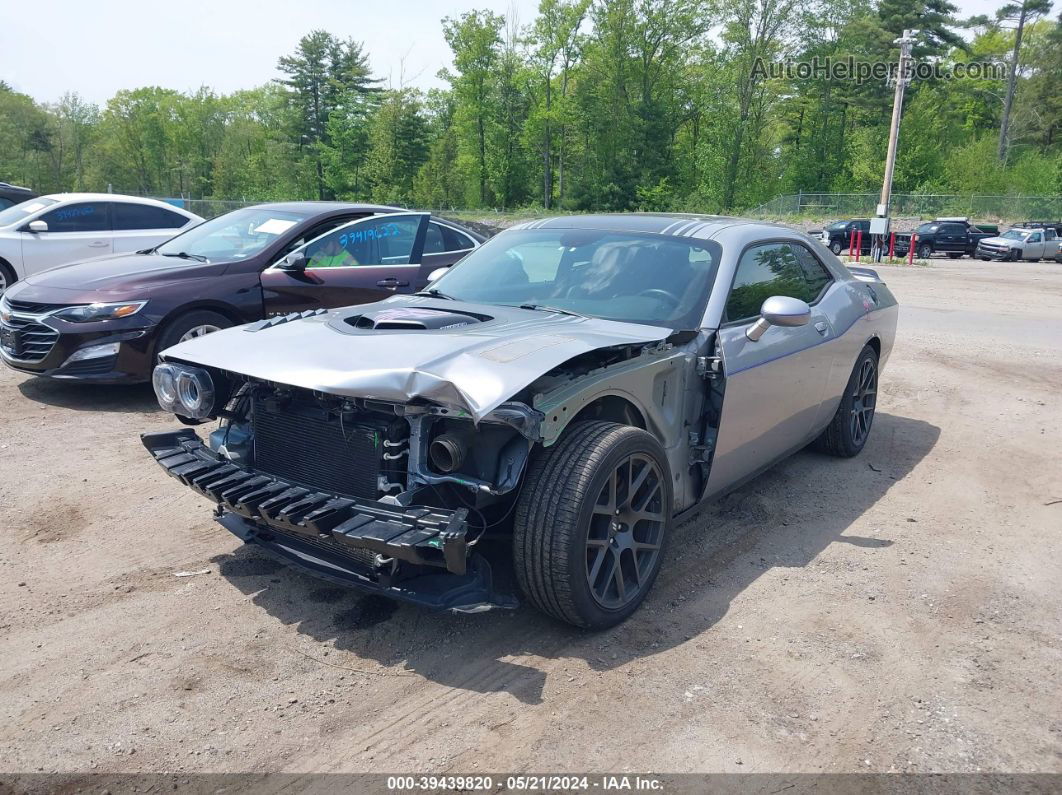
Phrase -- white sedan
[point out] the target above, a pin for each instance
(66, 227)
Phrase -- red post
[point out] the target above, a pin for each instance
(851, 243)
(911, 248)
(892, 244)
(859, 244)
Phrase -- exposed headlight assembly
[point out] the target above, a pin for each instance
(88, 313)
(184, 390)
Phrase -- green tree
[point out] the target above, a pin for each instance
(474, 38)
(1019, 14)
(321, 75)
(397, 146)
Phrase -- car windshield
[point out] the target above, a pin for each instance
(1014, 234)
(233, 236)
(924, 228)
(837, 226)
(650, 279)
(20, 212)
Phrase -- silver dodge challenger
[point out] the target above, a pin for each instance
(538, 419)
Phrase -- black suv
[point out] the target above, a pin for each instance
(838, 235)
(13, 194)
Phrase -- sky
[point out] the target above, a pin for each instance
(98, 48)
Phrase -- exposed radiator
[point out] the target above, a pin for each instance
(302, 442)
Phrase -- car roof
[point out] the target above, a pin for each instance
(112, 197)
(671, 224)
(327, 207)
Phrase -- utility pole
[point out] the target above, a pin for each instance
(903, 77)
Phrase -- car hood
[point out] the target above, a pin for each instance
(122, 275)
(471, 357)
(999, 241)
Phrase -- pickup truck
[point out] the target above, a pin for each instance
(1020, 243)
(837, 236)
(953, 237)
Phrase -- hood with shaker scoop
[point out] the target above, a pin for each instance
(470, 356)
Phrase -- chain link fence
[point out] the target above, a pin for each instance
(922, 205)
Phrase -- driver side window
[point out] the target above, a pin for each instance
(80, 217)
(379, 241)
(766, 270)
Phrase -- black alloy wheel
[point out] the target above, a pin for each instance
(626, 531)
(591, 523)
(850, 426)
(864, 398)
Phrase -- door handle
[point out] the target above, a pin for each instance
(98, 244)
(822, 327)
(391, 283)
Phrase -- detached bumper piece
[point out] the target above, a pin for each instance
(334, 536)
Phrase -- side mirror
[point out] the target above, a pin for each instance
(38, 226)
(295, 261)
(779, 310)
(435, 274)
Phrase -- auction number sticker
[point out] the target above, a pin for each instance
(440, 783)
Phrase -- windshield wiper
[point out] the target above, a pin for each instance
(186, 255)
(435, 294)
(544, 308)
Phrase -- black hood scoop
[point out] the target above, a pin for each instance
(412, 318)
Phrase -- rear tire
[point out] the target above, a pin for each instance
(585, 550)
(187, 325)
(849, 429)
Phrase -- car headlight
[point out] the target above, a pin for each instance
(185, 391)
(88, 313)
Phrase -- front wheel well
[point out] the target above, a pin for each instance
(612, 408)
(8, 271)
(875, 344)
(224, 310)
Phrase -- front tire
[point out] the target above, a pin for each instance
(591, 522)
(925, 251)
(7, 276)
(196, 323)
(849, 429)
(836, 248)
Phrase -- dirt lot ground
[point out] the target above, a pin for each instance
(897, 612)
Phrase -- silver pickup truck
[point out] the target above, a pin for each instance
(1020, 243)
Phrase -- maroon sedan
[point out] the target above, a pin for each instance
(105, 320)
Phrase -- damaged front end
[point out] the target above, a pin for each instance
(371, 494)
(380, 446)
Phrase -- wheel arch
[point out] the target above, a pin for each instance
(225, 310)
(10, 270)
(875, 343)
(612, 407)
(608, 405)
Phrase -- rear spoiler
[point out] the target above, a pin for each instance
(864, 274)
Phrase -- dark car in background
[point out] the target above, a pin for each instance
(837, 236)
(11, 195)
(952, 236)
(105, 320)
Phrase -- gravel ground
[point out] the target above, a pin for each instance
(895, 612)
